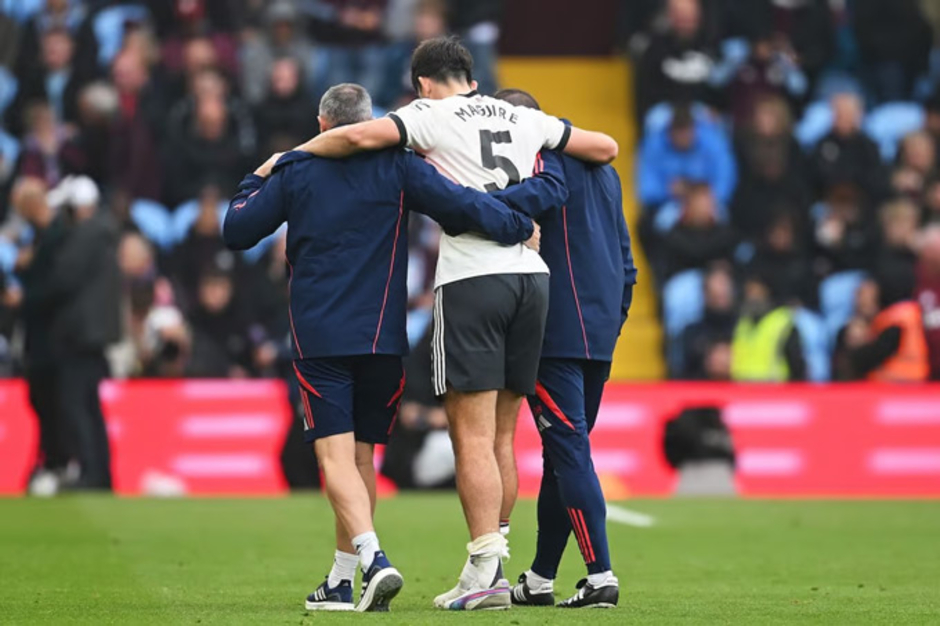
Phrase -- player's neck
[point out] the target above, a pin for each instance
(451, 88)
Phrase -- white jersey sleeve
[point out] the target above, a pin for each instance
(418, 124)
(554, 131)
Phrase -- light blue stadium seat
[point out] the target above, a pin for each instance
(815, 123)
(109, 28)
(683, 305)
(683, 301)
(154, 222)
(837, 299)
(9, 150)
(8, 87)
(658, 117)
(816, 345)
(21, 10)
(8, 254)
(889, 123)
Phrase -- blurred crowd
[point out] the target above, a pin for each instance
(163, 105)
(789, 185)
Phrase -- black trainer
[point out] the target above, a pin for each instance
(522, 595)
(588, 596)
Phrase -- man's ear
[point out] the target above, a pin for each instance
(324, 124)
(473, 85)
(424, 87)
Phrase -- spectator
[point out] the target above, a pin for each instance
(477, 24)
(287, 116)
(156, 339)
(203, 247)
(135, 165)
(427, 21)
(698, 239)
(917, 165)
(702, 341)
(894, 39)
(846, 239)
(67, 16)
(773, 169)
(928, 294)
(771, 70)
(766, 345)
(896, 350)
(931, 212)
(54, 81)
(48, 153)
(783, 259)
(352, 39)
(801, 28)
(282, 37)
(900, 220)
(97, 110)
(221, 344)
(932, 113)
(846, 154)
(196, 45)
(718, 362)
(210, 142)
(679, 60)
(686, 152)
(855, 333)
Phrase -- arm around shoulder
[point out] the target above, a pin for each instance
(591, 146)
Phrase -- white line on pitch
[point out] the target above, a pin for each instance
(630, 518)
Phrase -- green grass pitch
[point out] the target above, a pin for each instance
(98, 560)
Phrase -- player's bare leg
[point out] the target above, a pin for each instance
(507, 414)
(472, 419)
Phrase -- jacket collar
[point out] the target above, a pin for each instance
(291, 157)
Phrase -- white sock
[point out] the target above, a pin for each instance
(486, 553)
(366, 545)
(538, 583)
(504, 527)
(598, 580)
(344, 568)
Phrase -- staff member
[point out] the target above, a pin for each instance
(587, 247)
(347, 247)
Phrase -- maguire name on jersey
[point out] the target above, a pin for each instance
(485, 144)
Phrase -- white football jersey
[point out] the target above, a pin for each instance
(486, 144)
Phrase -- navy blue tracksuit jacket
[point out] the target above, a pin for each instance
(587, 247)
(347, 240)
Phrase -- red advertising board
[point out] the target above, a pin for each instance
(224, 437)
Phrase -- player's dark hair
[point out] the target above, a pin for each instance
(441, 59)
(518, 97)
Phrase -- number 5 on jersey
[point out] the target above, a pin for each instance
(494, 161)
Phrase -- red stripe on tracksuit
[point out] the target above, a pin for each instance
(581, 533)
(546, 399)
(397, 396)
(574, 287)
(391, 270)
(290, 314)
(306, 386)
